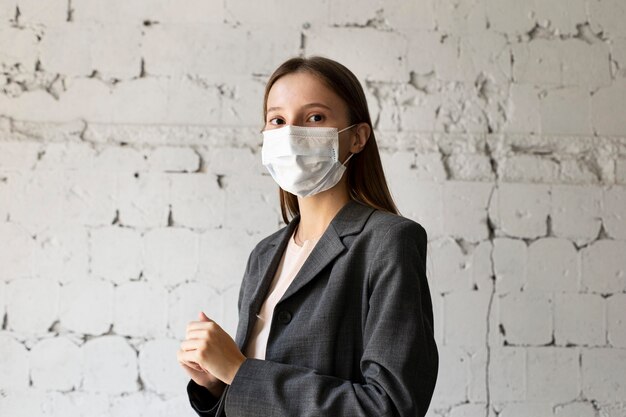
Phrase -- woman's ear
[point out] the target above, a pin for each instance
(362, 134)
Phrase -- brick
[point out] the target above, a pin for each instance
(520, 210)
(185, 303)
(185, 100)
(582, 409)
(160, 11)
(14, 364)
(18, 46)
(144, 199)
(428, 167)
(18, 155)
(620, 171)
(75, 402)
(7, 10)
(523, 111)
(464, 307)
(574, 325)
(230, 312)
(120, 159)
(140, 309)
(467, 410)
(608, 17)
(197, 200)
(116, 50)
(460, 18)
(465, 209)
(16, 250)
(507, 374)
(225, 252)
(526, 318)
(54, 364)
(416, 199)
(603, 102)
(66, 49)
(510, 262)
(486, 60)
(524, 409)
(477, 390)
(603, 373)
(561, 19)
(584, 63)
(528, 168)
(553, 374)
(618, 56)
(258, 192)
(566, 110)
(61, 253)
(453, 268)
(171, 255)
(509, 16)
(352, 46)
(452, 361)
(421, 201)
(470, 167)
(232, 161)
(86, 306)
(90, 197)
(141, 100)
(604, 266)
(70, 156)
(432, 52)
(616, 320)
(3, 301)
(116, 253)
(207, 49)
(395, 13)
(274, 12)
(26, 208)
(158, 372)
(22, 295)
(553, 62)
(553, 265)
(576, 211)
(118, 374)
(614, 211)
(173, 159)
(48, 13)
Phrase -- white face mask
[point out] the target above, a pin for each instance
(303, 160)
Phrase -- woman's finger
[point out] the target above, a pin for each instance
(191, 344)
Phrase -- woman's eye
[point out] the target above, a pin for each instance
(316, 118)
(277, 121)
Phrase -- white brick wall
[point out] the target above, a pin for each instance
(131, 189)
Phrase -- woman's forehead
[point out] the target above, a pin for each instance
(301, 89)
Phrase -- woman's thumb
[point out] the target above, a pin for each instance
(203, 316)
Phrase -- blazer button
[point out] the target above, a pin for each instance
(284, 316)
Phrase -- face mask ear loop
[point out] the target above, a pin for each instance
(346, 128)
(346, 161)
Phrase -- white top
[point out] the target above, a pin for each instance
(292, 260)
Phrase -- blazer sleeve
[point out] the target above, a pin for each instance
(399, 362)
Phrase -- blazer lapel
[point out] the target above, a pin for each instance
(349, 220)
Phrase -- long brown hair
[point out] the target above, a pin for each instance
(366, 179)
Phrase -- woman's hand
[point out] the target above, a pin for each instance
(209, 349)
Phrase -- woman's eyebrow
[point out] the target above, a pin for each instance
(306, 106)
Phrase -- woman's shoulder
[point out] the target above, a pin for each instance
(384, 222)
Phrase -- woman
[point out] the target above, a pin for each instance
(335, 315)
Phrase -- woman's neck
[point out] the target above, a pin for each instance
(316, 212)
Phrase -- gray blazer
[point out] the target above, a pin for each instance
(351, 336)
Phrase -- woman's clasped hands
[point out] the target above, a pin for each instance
(209, 355)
